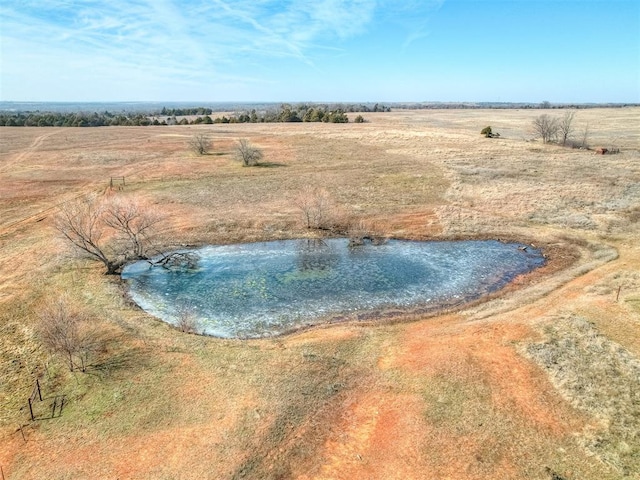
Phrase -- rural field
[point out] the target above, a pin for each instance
(539, 381)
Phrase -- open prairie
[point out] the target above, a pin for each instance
(540, 381)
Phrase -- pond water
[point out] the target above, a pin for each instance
(262, 289)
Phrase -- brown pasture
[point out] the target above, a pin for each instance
(472, 393)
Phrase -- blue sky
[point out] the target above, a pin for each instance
(320, 50)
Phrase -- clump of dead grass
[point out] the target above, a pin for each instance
(625, 281)
(601, 378)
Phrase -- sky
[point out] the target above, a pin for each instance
(560, 51)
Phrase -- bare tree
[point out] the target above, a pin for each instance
(81, 224)
(200, 144)
(565, 126)
(247, 153)
(585, 137)
(546, 127)
(112, 232)
(133, 223)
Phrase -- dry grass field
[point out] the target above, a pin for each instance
(541, 381)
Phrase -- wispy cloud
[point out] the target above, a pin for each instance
(414, 17)
(139, 47)
(178, 41)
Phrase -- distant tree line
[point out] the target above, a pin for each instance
(303, 112)
(336, 113)
(288, 113)
(505, 105)
(179, 112)
(59, 119)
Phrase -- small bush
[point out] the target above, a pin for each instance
(317, 208)
(200, 144)
(488, 133)
(65, 330)
(249, 155)
(187, 320)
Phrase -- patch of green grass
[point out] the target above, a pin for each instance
(21, 359)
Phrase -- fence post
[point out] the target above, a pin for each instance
(39, 392)
(618, 294)
(123, 184)
(31, 410)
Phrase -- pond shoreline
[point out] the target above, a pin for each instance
(476, 267)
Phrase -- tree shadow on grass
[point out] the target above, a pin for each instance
(109, 364)
(213, 154)
(270, 165)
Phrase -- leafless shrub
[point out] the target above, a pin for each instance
(186, 320)
(63, 330)
(358, 233)
(249, 155)
(317, 208)
(200, 144)
(562, 130)
(565, 127)
(613, 148)
(545, 127)
(584, 137)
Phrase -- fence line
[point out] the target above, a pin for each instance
(118, 179)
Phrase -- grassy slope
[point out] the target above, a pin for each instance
(452, 396)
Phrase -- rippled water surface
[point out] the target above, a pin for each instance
(260, 289)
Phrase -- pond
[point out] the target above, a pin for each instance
(262, 289)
